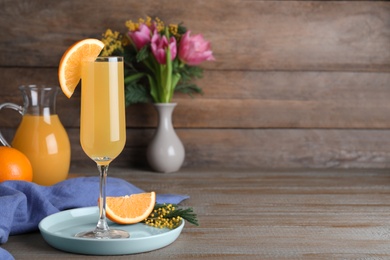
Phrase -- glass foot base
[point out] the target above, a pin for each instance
(109, 234)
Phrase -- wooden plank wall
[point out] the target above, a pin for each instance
(295, 84)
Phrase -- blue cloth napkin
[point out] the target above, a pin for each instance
(24, 204)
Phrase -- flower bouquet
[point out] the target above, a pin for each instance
(159, 59)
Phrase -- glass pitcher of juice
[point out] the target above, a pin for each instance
(40, 135)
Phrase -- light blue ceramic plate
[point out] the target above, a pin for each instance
(59, 229)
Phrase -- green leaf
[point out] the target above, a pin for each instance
(189, 89)
(175, 79)
(181, 29)
(169, 87)
(154, 91)
(134, 77)
(136, 93)
(188, 73)
(143, 54)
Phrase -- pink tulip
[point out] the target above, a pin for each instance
(141, 37)
(194, 50)
(159, 45)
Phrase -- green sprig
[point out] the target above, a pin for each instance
(170, 216)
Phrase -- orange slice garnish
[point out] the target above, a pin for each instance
(69, 70)
(130, 209)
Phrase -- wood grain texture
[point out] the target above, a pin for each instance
(253, 148)
(268, 148)
(305, 81)
(260, 214)
(246, 35)
(245, 99)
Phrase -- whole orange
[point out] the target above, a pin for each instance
(14, 165)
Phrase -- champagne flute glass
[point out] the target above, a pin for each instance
(102, 127)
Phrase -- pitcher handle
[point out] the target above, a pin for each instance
(14, 107)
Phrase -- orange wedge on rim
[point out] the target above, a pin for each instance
(69, 71)
(130, 209)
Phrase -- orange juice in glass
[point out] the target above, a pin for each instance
(102, 128)
(102, 120)
(40, 135)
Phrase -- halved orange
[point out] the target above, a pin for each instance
(130, 209)
(69, 70)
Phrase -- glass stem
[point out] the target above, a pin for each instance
(102, 228)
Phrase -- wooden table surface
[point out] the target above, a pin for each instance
(261, 214)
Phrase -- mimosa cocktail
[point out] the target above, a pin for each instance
(103, 130)
(102, 127)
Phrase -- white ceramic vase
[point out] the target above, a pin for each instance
(165, 152)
